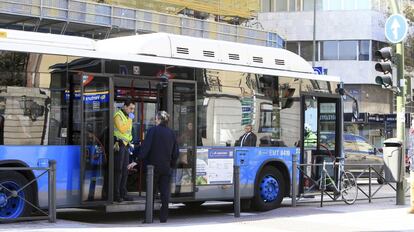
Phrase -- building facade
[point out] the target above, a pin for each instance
(347, 33)
(101, 19)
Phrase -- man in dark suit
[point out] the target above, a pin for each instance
(160, 149)
(248, 139)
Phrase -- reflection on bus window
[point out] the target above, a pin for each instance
(230, 100)
(33, 106)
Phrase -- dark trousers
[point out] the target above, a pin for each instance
(121, 161)
(163, 184)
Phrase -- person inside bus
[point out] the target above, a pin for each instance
(310, 137)
(187, 137)
(122, 138)
(160, 149)
(248, 139)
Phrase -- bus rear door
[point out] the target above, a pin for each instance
(182, 109)
(321, 134)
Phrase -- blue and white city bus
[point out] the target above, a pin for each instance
(58, 95)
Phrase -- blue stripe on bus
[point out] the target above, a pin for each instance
(67, 165)
(254, 157)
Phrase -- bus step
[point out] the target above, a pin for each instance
(127, 206)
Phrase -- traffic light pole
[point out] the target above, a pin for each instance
(401, 83)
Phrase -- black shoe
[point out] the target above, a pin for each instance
(118, 199)
(127, 198)
(163, 221)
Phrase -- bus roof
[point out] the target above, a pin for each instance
(168, 49)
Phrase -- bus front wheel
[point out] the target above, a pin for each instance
(12, 198)
(269, 189)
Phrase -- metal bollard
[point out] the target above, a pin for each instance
(52, 191)
(294, 181)
(149, 197)
(323, 182)
(369, 183)
(236, 183)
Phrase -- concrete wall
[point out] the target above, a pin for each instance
(330, 25)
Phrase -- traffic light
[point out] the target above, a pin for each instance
(386, 81)
(384, 66)
(286, 97)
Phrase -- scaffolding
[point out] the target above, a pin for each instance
(99, 21)
(244, 9)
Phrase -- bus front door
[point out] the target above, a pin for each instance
(182, 109)
(95, 138)
(321, 134)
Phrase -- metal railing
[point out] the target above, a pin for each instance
(51, 213)
(366, 169)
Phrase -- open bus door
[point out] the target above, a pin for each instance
(149, 96)
(96, 152)
(102, 95)
(321, 134)
(182, 109)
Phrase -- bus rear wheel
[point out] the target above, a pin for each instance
(269, 189)
(12, 199)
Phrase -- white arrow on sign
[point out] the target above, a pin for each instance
(394, 27)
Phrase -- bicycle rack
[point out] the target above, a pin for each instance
(315, 183)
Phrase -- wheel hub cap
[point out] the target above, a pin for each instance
(269, 188)
(3, 199)
(11, 201)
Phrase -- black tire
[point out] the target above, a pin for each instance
(193, 204)
(18, 181)
(349, 188)
(381, 180)
(259, 202)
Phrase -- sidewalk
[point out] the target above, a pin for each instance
(382, 215)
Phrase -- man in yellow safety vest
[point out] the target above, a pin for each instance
(122, 137)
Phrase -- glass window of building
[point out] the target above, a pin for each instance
(335, 4)
(298, 5)
(347, 50)
(363, 53)
(292, 5)
(306, 48)
(267, 5)
(349, 4)
(293, 47)
(329, 50)
(281, 5)
(308, 5)
(363, 4)
(376, 45)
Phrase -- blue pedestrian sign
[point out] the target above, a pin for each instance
(396, 28)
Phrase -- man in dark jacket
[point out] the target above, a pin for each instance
(248, 139)
(160, 149)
